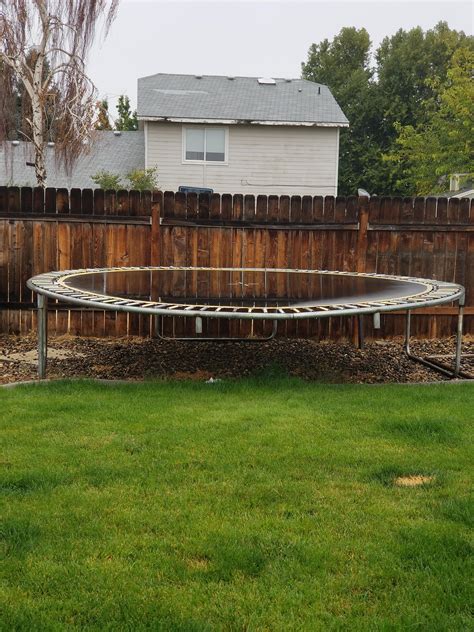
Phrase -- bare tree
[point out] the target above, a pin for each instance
(43, 46)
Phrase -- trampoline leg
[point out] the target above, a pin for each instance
(42, 335)
(407, 333)
(457, 359)
(432, 364)
(360, 331)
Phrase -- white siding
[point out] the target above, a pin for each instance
(262, 160)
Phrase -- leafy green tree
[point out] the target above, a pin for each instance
(411, 67)
(402, 90)
(344, 65)
(106, 180)
(102, 121)
(143, 179)
(334, 62)
(427, 154)
(127, 120)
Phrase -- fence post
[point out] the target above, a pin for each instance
(363, 206)
(156, 208)
(361, 258)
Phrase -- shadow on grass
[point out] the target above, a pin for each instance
(421, 431)
(459, 510)
(32, 482)
(226, 556)
(18, 536)
(421, 548)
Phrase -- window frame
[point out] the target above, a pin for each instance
(204, 161)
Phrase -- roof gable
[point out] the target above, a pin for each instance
(237, 100)
(118, 153)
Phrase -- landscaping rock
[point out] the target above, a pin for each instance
(139, 358)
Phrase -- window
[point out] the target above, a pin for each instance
(195, 141)
(205, 144)
(215, 145)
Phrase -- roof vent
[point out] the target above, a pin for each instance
(15, 142)
(288, 80)
(50, 143)
(266, 81)
(300, 89)
(117, 132)
(231, 78)
(198, 76)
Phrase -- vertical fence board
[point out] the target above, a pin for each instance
(204, 202)
(272, 209)
(62, 201)
(123, 202)
(3, 199)
(75, 197)
(284, 209)
(26, 194)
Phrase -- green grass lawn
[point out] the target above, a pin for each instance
(255, 505)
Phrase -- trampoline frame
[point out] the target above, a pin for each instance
(53, 285)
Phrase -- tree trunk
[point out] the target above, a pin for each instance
(38, 123)
(38, 142)
(40, 167)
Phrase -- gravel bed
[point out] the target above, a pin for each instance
(381, 361)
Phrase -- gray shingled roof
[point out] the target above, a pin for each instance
(116, 154)
(237, 99)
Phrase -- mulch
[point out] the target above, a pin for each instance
(381, 361)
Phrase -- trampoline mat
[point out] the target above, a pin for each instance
(242, 288)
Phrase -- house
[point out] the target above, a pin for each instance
(241, 134)
(461, 185)
(116, 152)
(228, 134)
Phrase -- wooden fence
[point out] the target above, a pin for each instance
(61, 229)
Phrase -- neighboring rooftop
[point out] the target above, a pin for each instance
(461, 185)
(237, 99)
(109, 151)
(467, 192)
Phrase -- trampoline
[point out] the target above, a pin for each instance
(245, 293)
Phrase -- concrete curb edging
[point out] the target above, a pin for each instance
(108, 382)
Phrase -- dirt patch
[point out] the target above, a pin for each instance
(146, 358)
(413, 481)
(31, 357)
(199, 563)
(194, 376)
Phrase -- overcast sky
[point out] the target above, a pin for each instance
(264, 38)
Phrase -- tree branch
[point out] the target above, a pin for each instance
(28, 138)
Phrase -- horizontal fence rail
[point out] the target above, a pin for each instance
(53, 229)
